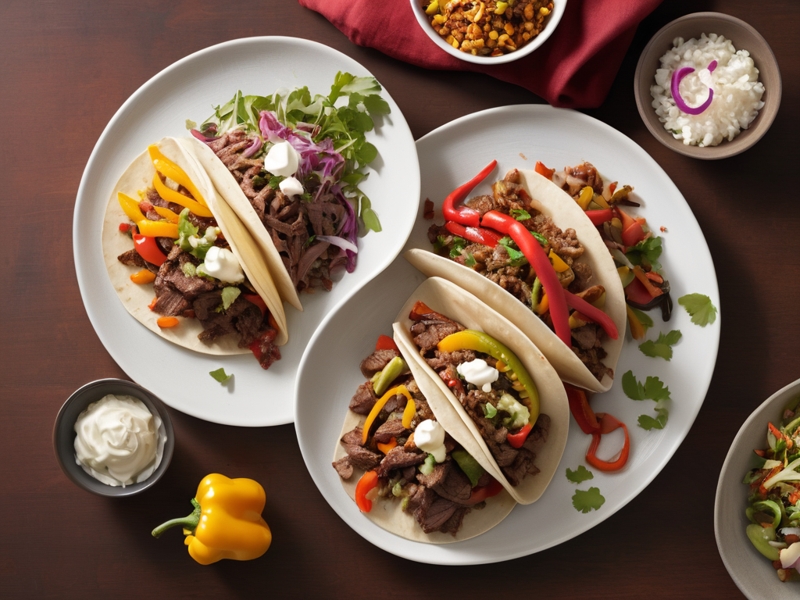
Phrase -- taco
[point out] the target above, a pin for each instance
(183, 264)
(495, 380)
(416, 472)
(530, 252)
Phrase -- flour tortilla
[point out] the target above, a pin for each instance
(230, 191)
(554, 202)
(136, 298)
(453, 302)
(387, 514)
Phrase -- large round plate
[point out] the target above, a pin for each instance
(189, 89)
(750, 571)
(518, 136)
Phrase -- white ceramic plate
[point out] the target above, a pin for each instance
(750, 571)
(518, 136)
(189, 89)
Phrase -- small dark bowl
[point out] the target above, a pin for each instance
(64, 434)
(743, 37)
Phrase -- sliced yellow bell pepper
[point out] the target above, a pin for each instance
(373, 414)
(170, 216)
(470, 339)
(158, 228)
(586, 196)
(131, 207)
(169, 169)
(558, 263)
(171, 195)
(226, 521)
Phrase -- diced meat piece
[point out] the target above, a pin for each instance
(364, 399)
(448, 481)
(431, 517)
(399, 458)
(343, 467)
(377, 361)
(390, 429)
(427, 334)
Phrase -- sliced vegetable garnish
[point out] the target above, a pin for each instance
(588, 500)
(678, 76)
(662, 347)
(400, 389)
(367, 483)
(608, 424)
(579, 475)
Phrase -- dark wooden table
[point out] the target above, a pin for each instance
(66, 67)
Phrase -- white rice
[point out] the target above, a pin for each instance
(737, 91)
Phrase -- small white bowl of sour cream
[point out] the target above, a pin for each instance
(113, 437)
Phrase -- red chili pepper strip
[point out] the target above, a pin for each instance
(258, 301)
(593, 313)
(543, 171)
(465, 215)
(368, 482)
(148, 249)
(607, 425)
(651, 289)
(482, 493)
(479, 235)
(385, 343)
(598, 217)
(517, 439)
(533, 251)
(580, 409)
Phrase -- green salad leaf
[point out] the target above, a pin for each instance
(662, 346)
(646, 253)
(588, 500)
(579, 475)
(700, 307)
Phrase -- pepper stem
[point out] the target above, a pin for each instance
(188, 522)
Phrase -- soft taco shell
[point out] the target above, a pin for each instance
(451, 301)
(230, 191)
(388, 515)
(136, 298)
(552, 201)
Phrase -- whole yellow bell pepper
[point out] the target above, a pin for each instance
(226, 521)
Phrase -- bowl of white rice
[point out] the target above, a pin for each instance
(707, 85)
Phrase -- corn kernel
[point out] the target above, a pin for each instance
(509, 28)
(528, 26)
(493, 35)
(438, 19)
(528, 12)
(544, 11)
(433, 8)
(500, 8)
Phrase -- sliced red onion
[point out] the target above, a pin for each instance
(254, 147)
(339, 241)
(677, 77)
(201, 137)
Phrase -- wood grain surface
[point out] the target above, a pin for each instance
(65, 69)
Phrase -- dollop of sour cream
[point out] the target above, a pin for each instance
(291, 186)
(478, 373)
(429, 437)
(118, 441)
(222, 264)
(282, 160)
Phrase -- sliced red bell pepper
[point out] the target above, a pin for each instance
(654, 291)
(258, 301)
(479, 235)
(148, 249)
(636, 293)
(368, 482)
(463, 214)
(533, 251)
(480, 494)
(608, 424)
(581, 411)
(632, 230)
(543, 171)
(517, 439)
(598, 217)
(593, 313)
(386, 343)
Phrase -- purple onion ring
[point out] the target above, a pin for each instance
(677, 77)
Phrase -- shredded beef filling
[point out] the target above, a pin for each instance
(496, 265)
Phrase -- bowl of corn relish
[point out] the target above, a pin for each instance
(488, 32)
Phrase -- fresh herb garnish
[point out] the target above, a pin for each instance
(699, 306)
(652, 389)
(588, 500)
(520, 214)
(646, 253)
(220, 375)
(579, 475)
(470, 260)
(457, 246)
(643, 317)
(515, 257)
(229, 296)
(662, 346)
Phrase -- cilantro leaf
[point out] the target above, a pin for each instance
(220, 375)
(646, 253)
(515, 257)
(653, 388)
(588, 500)
(647, 422)
(470, 261)
(579, 475)
(699, 306)
(662, 346)
(520, 214)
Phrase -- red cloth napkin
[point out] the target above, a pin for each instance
(574, 68)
